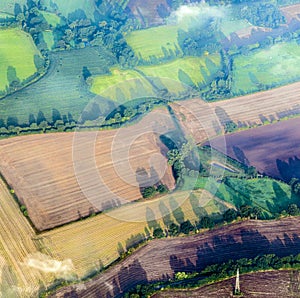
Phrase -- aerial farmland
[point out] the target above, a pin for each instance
(149, 148)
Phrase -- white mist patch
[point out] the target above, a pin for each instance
(45, 264)
(190, 12)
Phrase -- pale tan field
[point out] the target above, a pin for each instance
(203, 119)
(95, 242)
(291, 12)
(18, 246)
(64, 177)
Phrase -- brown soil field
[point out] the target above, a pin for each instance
(203, 119)
(273, 284)
(64, 177)
(273, 149)
(291, 12)
(159, 259)
(147, 11)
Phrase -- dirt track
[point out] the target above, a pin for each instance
(161, 258)
(273, 284)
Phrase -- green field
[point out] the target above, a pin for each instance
(230, 26)
(51, 18)
(275, 66)
(64, 7)
(150, 42)
(9, 5)
(270, 195)
(174, 76)
(122, 85)
(196, 70)
(17, 50)
(49, 39)
(62, 88)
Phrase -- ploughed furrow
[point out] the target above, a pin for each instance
(17, 245)
(160, 259)
(203, 120)
(275, 284)
(64, 177)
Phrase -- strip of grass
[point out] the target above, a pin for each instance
(17, 50)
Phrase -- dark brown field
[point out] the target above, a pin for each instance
(159, 259)
(147, 12)
(273, 284)
(273, 149)
(64, 177)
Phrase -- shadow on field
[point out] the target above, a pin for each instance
(224, 248)
(161, 259)
(289, 169)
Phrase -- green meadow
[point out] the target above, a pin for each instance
(274, 66)
(17, 50)
(174, 76)
(122, 85)
(151, 42)
(188, 70)
(229, 26)
(270, 195)
(51, 18)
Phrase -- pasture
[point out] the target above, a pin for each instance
(189, 71)
(229, 26)
(62, 88)
(257, 147)
(51, 18)
(141, 42)
(176, 76)
(17, 51)
(269, 195)
(65, 8)
(266, 68)
(122, 85)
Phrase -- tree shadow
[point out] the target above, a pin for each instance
(289, 169)
(165, 213)
(240, 155)
(195, 203)
(176, 210)
(151, 219)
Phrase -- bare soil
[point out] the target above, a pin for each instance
(203, 119)
(272, 149)
(273, 284)
(64, 177)
(160, 259)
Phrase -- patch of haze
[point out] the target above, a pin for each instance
(41, 262)
(186, 15)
